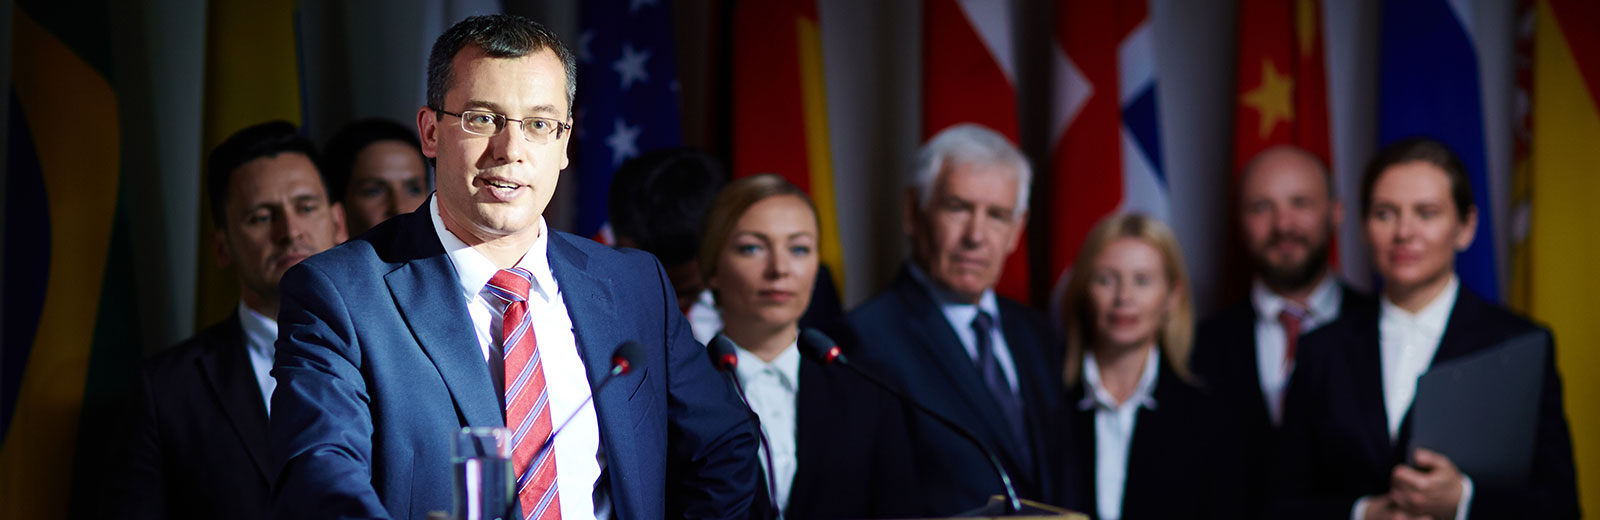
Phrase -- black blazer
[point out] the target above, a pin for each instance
(1224, 360)
(905, 337)
(1334, 444)
(853, 459)
(198, 446)
(1182, 463)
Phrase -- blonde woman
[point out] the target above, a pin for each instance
(838, 445)
(1147, 442)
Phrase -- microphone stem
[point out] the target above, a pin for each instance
(1013, 503)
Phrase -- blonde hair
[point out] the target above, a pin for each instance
(731, 203)
(1177, 333)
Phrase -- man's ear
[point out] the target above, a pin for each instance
(428, 131)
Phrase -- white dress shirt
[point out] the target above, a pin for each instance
(1272, 344)
(705, 321)
(579, 455)
(771, 389)
(259, 334)
(1113, 430)
(960, 316)
(1406, 345)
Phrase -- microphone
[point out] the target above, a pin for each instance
(628, 354)
(721, 350)
(821, 348)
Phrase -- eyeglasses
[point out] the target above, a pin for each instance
(486, 123)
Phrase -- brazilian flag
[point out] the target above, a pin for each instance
(68, 327)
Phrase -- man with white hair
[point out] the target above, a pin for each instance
(942, 333)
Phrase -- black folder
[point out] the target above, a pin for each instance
(1481, 410)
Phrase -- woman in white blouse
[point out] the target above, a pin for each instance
(1146, 441)
(838, 444)
(1346, 428)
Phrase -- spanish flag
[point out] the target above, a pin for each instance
(68, 299)
(1553, 273)
(780, 108)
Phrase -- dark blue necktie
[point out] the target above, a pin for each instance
(995, 378)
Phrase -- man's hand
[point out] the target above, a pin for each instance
(1432, 489)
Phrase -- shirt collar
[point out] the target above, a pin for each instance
(1434, 316)
(474, 270)
(960, 312)
(1097, 395)
(259, 331)
(1324, 300)
(786, 366)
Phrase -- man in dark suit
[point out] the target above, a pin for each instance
(984, 361)
(199, 437)
(1246, 353)
(471, 312)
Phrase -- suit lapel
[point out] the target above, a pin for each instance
(428, 293)
(225, 364)
(1457, 339)
(814, 420)
(943, 347)
(591, 307)
(1366, 374)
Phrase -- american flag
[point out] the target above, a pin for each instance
(627, 96)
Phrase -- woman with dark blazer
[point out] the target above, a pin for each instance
(1146, 441)
(838, 445)
(1346, 430)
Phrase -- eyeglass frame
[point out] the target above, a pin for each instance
(526, 135)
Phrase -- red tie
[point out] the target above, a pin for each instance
(527, 402)
(1290, 318)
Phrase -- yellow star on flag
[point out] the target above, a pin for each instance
(1272, 98)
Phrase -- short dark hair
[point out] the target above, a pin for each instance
(263, 140)
(500, 36)
(1427, 150)
(339, 157)
(660, 198)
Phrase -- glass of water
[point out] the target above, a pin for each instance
(481, 462)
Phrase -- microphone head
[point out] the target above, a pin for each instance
(629, 353)
(819, 347)
(721, 350)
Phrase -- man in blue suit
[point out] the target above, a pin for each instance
(471, 312)
(984, 361)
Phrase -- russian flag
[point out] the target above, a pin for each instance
(1430, 84)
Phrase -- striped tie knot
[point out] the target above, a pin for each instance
(512, 284)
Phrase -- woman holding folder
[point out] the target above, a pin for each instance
(1343, 449)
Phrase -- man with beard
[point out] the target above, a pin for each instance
(1245, 353)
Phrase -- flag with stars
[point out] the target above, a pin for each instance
(1282, 99)
(1105, 128)
(627, 96)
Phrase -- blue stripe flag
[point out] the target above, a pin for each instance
(1430, 86)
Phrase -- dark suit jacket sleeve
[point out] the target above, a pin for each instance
(321, 427)
(1552, 491)
(712, 468)
(1294, 490)
(140, 490)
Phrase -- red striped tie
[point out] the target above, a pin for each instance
(527, 401)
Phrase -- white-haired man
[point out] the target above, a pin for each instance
(940, 331)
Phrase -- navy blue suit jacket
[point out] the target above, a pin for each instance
(198, 442)
(1334, 444)
(904, 336)
(377, 365)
